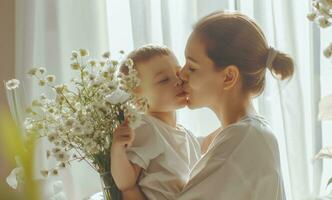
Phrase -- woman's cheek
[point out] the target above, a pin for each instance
(194, 81)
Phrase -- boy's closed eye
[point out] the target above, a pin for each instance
(164, 80)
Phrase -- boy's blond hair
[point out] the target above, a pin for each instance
(144, 54)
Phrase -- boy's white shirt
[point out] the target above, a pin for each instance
(242, 163)
(166, 155)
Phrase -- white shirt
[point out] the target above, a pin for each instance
(166, 155)
(242, 163)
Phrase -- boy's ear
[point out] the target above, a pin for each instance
(231, 75)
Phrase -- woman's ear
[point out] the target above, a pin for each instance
(231, 76)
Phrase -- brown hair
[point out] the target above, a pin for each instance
(232, 38)
(144, 54)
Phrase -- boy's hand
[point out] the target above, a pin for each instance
(123, 136)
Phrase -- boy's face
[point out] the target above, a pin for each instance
(160, 83)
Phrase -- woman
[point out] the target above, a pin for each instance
(227, 57)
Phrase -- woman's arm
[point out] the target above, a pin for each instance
(124, 172)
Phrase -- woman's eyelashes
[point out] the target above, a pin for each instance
(192, 69)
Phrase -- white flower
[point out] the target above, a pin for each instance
(54, 172)
(61, 156)
(42, 70)
(32, 71)
(112, 85)
(74, 54)
(129, 63)
(50, 78)
(56, 150)
(42, 82)
(59, 196)
(327, 52)
(60, 88)
(75, 66)
(107, 55)
(15, 176)
(52, 136)
(62, 165)
(78, 130)
(327, 3)
(58, 186)
(58, 191)
(117, 97)
(323, 22)
(12, 84)
(312, 16)
(36, 103)
(92, 63)
(48, 153)
(84, 52)
(114, 63)
(102, 63)
(135, 120)
(43, 96)
(44, 173)
(97, 81)
(28, 123)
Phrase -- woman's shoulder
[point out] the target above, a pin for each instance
(246, 128)
(256, 133)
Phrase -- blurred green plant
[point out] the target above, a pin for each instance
(13, 143)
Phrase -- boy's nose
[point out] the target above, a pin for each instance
(179, 81)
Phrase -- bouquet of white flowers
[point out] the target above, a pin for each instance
(80, 119)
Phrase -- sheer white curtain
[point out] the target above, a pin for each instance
(47, 31)
(292, 107)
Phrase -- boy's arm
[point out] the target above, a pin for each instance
(124, 172)
(133, 194)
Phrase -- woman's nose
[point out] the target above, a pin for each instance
(183, 75)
